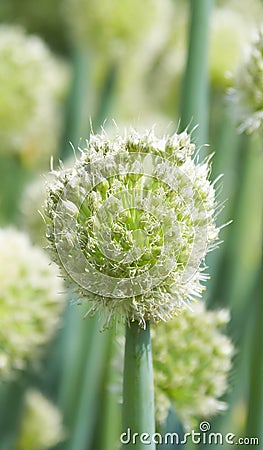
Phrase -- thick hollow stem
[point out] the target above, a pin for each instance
(138, 393)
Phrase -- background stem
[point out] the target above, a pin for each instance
(88, 404)
(194, 101)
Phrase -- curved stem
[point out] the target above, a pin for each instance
(138, 393)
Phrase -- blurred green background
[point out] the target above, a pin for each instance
(163, 62)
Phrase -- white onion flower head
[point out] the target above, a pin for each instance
(131, 222)
(41, 425)
(31, 301)
(191, 359)
(246, 94)
(32, 83)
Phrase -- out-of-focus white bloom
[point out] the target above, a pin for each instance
(31, 206)
(192, 359)
(41, 425)
(112, 27)
(31, 203)
(229, 31)
(246, 95)
(30, 300)
(162, 53)
(131, 222)
(32, 82)
(231, 26)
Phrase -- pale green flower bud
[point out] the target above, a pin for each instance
(31, 85)
(246, 95)
(192, 359)
(41, 426)
(31, 301)
(131, 222)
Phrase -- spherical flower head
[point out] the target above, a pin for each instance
(31, 303)
(32, 82)
(131, 222)
(41, 425)
(191, 359)
(246, 95)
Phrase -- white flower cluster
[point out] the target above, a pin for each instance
(192, 359)
(32, 82)
(246, 95)
(41, 426)
(30, 300)
(131, 222)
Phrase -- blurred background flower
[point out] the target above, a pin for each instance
(32, 83)
(41, 425)
(246, 95)
(31, 300)
(192, 360)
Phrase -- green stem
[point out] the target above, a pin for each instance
(96, 348)
(244, 243)
(77, 333)
(11, 411)
(194, 102)
(110, 420)
(226, 162)
(106, 97)
(78, 107)
(138, 392)
(254, 424)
